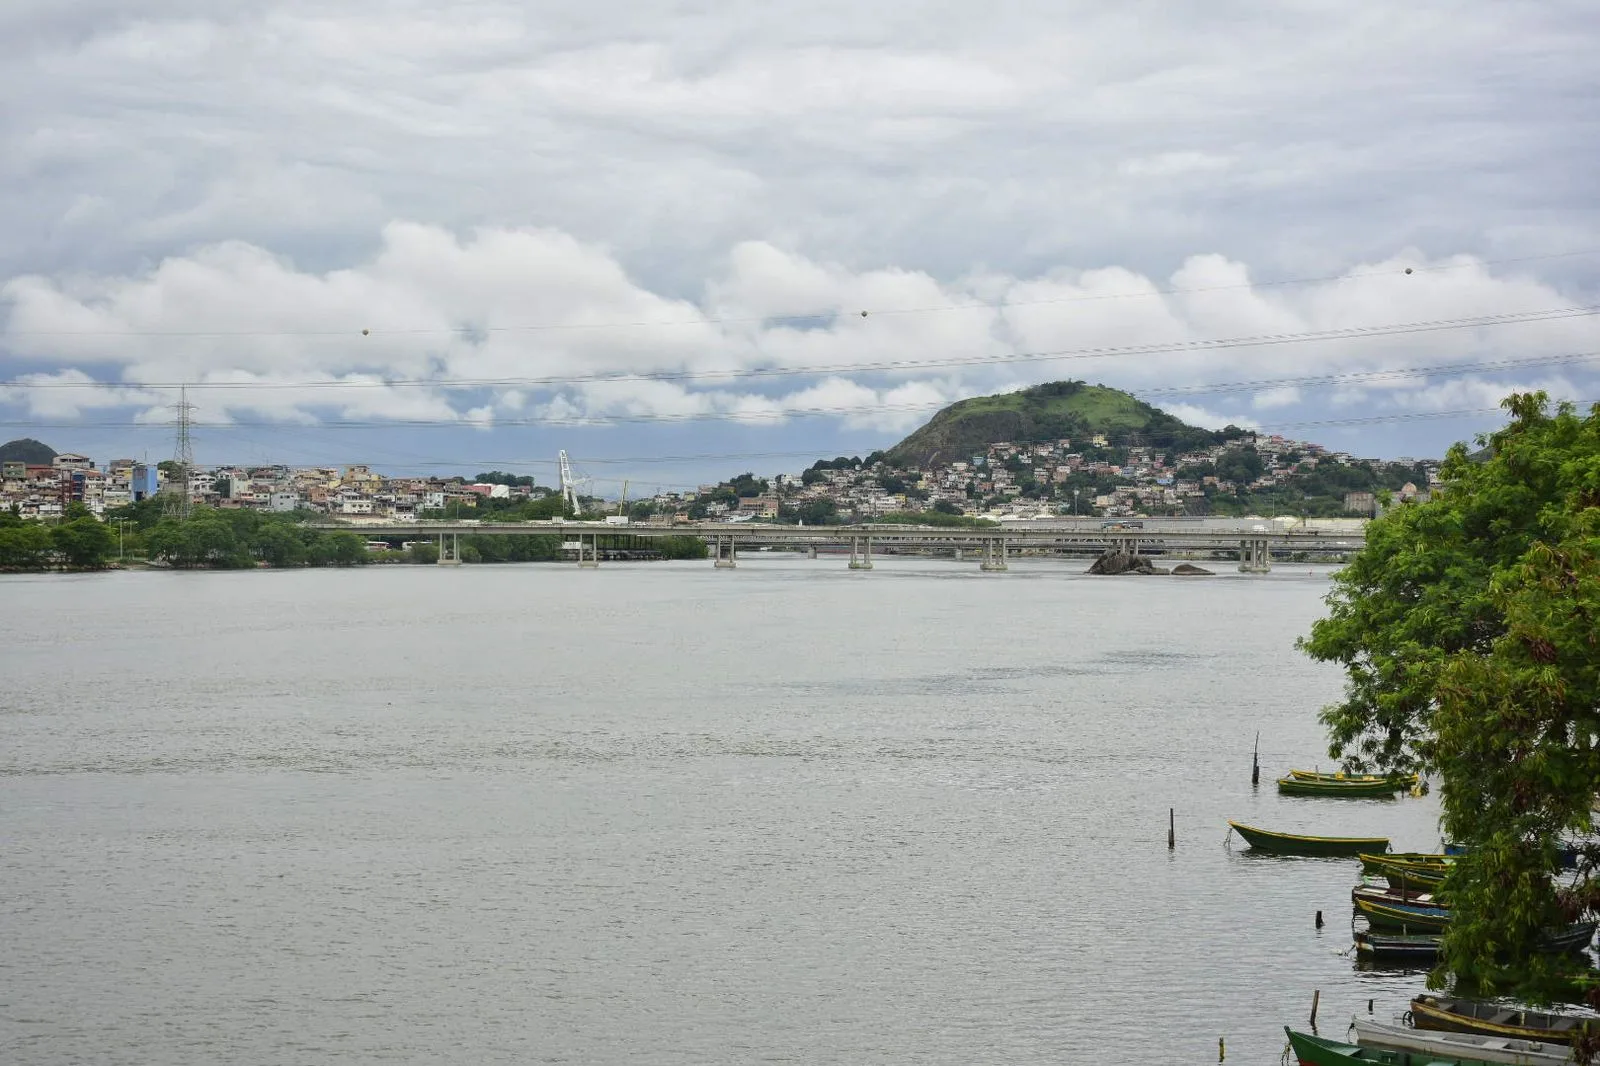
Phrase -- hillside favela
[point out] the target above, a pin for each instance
(659, 534)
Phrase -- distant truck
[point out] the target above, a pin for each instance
(1120, 524)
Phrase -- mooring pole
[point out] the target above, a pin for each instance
(1172, 830)
(1316, 996)
(1255, 762)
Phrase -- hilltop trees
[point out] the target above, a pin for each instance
(1469, 631)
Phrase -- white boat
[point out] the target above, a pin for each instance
(1460, 1045)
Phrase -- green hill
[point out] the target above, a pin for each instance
(26, 450)
(1057, 409)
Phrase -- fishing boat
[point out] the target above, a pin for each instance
(1422, 859)
(1296, 844)
(1407, 876)
(1390, 912)
(1382, 946)
(1402, 780)
(1380, 789)
(1442, 1013)
(1318, 1051)
(1451, 1047)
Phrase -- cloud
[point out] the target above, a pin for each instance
(230, 194)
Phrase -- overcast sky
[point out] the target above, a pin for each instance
(528, 197)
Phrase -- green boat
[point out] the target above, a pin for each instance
(1292, 786)
(1444, 1014)
(1297, 844)
(1405, 780)
(1410, 877)
(1385, 916)
(1317, 1051)
(1423, 860)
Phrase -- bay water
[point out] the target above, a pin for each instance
(659, 813)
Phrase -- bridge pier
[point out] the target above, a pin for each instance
(731, 559)
(993, 561)
(857, 560)
(1254, 556)
(592, 560)
(449, 549)
(811, 552)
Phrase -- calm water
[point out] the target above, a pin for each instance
(659, 813)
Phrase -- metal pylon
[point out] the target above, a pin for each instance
(177, 502)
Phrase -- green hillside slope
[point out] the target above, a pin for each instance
(26, 450)
(1058, 409)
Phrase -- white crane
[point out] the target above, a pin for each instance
(568, 485)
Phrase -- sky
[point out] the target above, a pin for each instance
(682, 240)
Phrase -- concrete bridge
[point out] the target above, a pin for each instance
(1255, 543)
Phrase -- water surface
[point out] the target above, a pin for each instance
(661, 813)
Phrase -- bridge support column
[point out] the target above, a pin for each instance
(811, 552)
(1254, 556)
(994, 561)
(591, 560)
(449, 549)
(958, 555)
(863, 562)
(729, 560)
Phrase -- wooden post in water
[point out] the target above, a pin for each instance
(1319, 919)
(1172, 830)
(1316, 996)
(1255, 762)
(1222, 1049)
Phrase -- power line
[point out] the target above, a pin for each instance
(999, 359)
(822, 315)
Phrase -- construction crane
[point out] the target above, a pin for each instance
(622, 505)
(568, 487)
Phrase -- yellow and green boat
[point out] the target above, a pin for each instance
(1405, 780)
(1298, 844)
(1378, 788)
(1422, 861)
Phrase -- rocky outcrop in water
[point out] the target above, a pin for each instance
(1188, 570)
(1122, 563)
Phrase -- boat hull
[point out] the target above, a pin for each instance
(1290, 786)
(1295, 844)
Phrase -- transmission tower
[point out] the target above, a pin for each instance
(568, 485)
(177, 501)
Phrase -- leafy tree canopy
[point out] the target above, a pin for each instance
(1469, 631)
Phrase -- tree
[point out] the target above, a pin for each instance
(84, 542)
(1468, 629)
(347, 549)
(25, 546)
(946, 507)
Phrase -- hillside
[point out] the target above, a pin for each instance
(1058, 409)
(26, 450)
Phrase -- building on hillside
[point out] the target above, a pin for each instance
(72, 461)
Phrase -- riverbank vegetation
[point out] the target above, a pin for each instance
(1469, 631)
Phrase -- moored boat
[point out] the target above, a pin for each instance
(1298, 844)
(1381, 946)
(1495, 1019)
(1371, 864)
(1319, 1051)
(1390, 912)
(1450, 1047)
(1379, 789)
(1402, 780)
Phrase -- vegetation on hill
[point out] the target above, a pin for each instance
(1467, 630)
(26, 450)
(1055, 410)
(79, 542)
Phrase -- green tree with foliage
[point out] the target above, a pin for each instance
(82, 540)
(25, 545)
(1469, 631)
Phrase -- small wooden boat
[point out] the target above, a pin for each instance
(1398, 947)
(1424, 947)
(1317, 1051)
(1407, 879)
(1380, 789)
(1403, 780)
(1296, 844)
(1454, 1047)
(1370, 864)
(1444, 1014)
(1391, 912)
